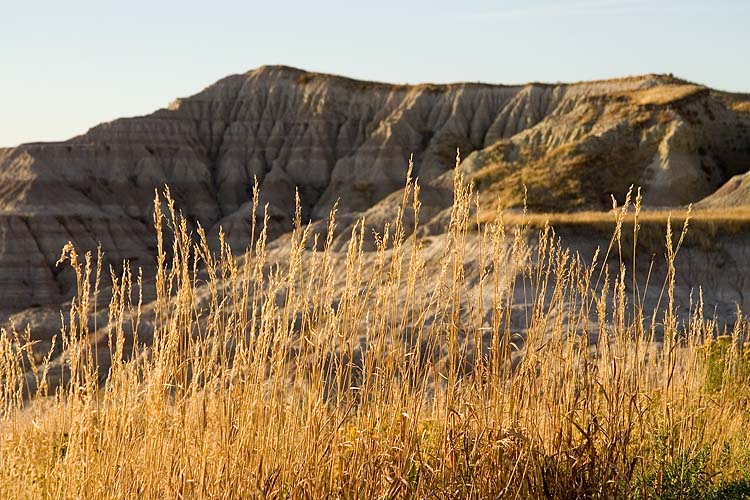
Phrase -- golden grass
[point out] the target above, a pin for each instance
(376, 375)
(705, 224)
(568, 177)
(723, 217)
(741, 107)
(664, 94)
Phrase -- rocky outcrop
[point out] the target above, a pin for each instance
(734, 194)
(678, 142)
(331, 138)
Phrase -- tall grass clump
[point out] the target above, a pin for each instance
(486, 362)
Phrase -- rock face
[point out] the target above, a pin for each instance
(734, 194)
(332, 138)
(678, 142)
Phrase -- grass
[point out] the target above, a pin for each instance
(397, 373)
(664, 94)
(741, 106)
(574, 175)
(705, 224)
(731, 217)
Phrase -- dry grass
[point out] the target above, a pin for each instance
(724, 217)
(664, 94)
(741, 107)
(375, 376)
(705, 224)
(575, 175)
(565, 178)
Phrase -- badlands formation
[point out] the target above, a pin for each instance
(572, 146)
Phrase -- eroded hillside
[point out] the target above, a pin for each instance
(332, 138)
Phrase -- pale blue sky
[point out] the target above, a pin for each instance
(68, 65)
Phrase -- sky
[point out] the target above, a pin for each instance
(66, 66)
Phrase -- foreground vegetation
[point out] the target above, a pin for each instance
(379, 374)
